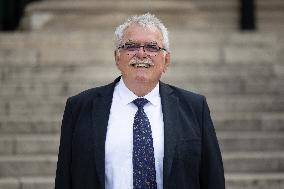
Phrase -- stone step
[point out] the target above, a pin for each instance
(95, 71)
(84, 6)
(74, 49)
(180, 55)
(229, 142)
(244, 103)
(29, 144)
(231, 86)
(275, 117)
(31, 107)
(189, 14)
(215, 87)
(51, 113)
(91, 39)
(235, 122)
(34, 107)
(29, 127)
(109, 13)
(187, 47)
(51, 90)
(60, 79)
(233, 181)
(268, 122)
(35, 182)
(251, 141)
(19, 166)
(66, 84)
(253, 162)
(271, 5)
(255, 181)
(257, 162)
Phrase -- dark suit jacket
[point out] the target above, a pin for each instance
(192, 158)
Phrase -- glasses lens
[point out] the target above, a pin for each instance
(132, 46)
(151, 48)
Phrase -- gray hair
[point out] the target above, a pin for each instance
(144, 20)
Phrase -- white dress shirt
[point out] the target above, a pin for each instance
(119, 138)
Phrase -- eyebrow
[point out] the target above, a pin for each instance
(132, 41)
(153, 43)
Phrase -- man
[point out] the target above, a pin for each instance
(138, 132)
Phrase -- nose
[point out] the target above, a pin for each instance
(141, 53)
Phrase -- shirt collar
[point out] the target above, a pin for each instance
(126, 96)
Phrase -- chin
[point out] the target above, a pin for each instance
(141, 79)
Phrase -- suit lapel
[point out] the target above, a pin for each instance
(101, 109)
(170, 116)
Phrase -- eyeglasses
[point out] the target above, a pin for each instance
(149, 48)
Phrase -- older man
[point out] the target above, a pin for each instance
(137, 132)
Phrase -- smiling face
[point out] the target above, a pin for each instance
(142, 68)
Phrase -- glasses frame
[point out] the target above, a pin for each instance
(147, 52)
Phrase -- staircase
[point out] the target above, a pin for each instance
(66, 46)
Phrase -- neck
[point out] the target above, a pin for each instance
(140, 88)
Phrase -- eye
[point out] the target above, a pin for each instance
(151, 48)
(131, 46)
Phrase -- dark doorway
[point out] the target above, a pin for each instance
(11, 12)
(247, 15)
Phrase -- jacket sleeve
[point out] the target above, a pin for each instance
(212, 171)
(63, 173)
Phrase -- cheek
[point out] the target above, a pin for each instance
(121, 67)
(123, 62)
(161, 64)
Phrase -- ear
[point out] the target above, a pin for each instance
(116, 56)
(167, 61)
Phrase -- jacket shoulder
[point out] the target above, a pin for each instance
(89, 95)
(188, 96)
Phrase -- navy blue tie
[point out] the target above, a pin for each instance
(144, 173)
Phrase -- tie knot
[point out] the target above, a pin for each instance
(140, 102)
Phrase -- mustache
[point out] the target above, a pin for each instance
(143, 61)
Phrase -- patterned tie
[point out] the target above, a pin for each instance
(144, 173)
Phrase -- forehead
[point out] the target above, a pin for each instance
(142, 34)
